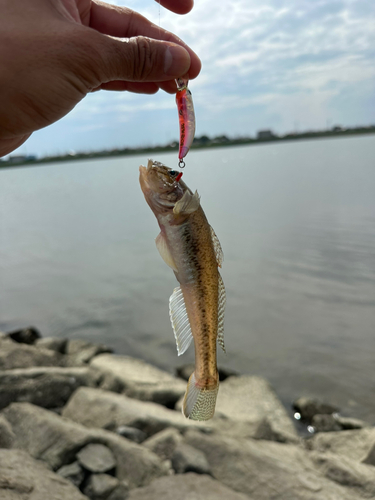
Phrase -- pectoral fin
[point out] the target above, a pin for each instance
(180, 321)
(161, 245)
(188, 204)
(221, 310)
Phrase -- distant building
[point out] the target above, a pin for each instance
(265, 134)
(17, 158)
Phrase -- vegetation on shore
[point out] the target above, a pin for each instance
(204, 141)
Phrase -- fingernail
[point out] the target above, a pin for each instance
(176, 61)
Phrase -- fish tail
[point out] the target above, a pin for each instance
(199, 402)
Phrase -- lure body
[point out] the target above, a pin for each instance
(186, 117)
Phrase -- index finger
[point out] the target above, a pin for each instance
(122, 22)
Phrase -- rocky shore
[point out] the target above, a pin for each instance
(78, 422)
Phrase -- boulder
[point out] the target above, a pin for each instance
(131, 433)
(186, 487)
(355, 444)
(96, 458)
(6, 433)
(52, 343)
(266, 470)
(73, 472)
(164, 443)
(15, 355)
(57, 441)
(23, 478)
(49, 387)
(99, 486)
(104, 409)
(25, 335)
(185, 458)
(308, 407)
(83, 351)
(140, 380)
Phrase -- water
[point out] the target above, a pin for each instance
(297, 224)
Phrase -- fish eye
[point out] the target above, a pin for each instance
(173, 173)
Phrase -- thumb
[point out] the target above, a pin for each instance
(137, 59)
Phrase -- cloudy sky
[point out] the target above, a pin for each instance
(281, 64)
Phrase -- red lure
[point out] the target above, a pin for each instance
(186, 118)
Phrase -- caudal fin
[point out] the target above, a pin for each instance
(199, 403)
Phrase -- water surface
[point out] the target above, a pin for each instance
(297, 224)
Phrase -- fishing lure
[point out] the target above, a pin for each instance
(186, 117)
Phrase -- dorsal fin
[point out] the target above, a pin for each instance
(180, 321)
(220, 312)
(217, 247)
(188, 204)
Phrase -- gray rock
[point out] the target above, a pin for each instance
(99, 486)
(164, 443)
(25, 335)
(188, 459)
(348, 423)
(104, 409)
(96, 458)
(57, 440)
(15, 355)
(370, 457)
(325, 423)
(121, 492)
(308, 407)
(140, 380)
(186, 487)
(266, 470)
(348, 473)
(73, 472)
(355, 444)
(6, 433)
(83, 351)
(52, 343)
(131, 433)
(23, 478)
(49, 387)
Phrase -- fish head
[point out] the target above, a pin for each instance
(161, 187)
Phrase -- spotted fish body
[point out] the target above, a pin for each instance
(190, 247)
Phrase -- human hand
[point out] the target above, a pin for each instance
(54, 52)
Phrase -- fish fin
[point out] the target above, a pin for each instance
(217, 247)
(221, 310)
(199, 403)
(180, 321)
(188, 204)
(162, 246)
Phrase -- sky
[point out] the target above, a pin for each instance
(285, 65)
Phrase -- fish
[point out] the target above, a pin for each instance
(188, 244)
(186, 118)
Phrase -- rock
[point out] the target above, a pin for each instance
(370, 457)
(56, 440)
(308, 407)
(15, 355)
(347, 472)
(104, 409)
(25, 335)
(96, 458)
(120, 492)
(6, 433)
(52, 343)
(164, 443)
(185, 371)
(325, 423)
(73, 472)
(140, 380)
(131, 433)
(348, 423)
(83, 351)
(186, 487)
(99, 486)
(188, 459)
(23, 478)
(266, 470)
(354, 444)
(49, 387)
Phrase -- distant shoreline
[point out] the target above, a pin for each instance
(202, 142)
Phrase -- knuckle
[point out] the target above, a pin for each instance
(144, 60)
